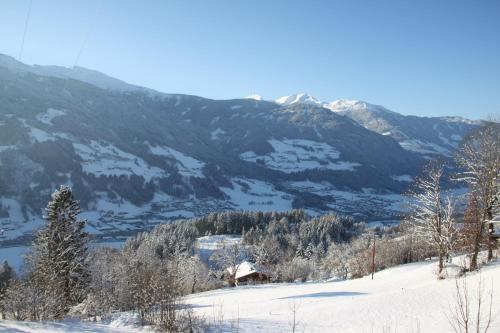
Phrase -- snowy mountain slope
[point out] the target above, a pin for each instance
(75, 73)
(406, 298)
(422, 135)
(135, 159)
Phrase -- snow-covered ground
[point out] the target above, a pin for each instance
(207, 245)
(407, 298)
(119, 323)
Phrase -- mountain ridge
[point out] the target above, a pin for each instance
(136, 159)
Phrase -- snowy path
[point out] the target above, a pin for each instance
(402, 299)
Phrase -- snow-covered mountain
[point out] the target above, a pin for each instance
(136, 158)
(301, 98)
(429, 136)
(93, 77)
(423, 135)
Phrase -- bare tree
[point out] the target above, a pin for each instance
(479, 156)
(472, 310)
(432, 213)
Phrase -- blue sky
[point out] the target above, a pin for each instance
(428, 58)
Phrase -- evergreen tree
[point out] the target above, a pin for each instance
(6, 275)
(60, 253)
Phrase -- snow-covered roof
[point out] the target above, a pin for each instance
(244, 269)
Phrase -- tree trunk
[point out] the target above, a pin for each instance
(441, 263)
(489, 214)
(477, 247)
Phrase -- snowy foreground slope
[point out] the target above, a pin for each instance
(122, 323)
(407, 298)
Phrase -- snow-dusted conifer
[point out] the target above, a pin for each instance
(60, 253)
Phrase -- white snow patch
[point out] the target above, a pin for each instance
(403, 178)
(251, 194)
(301, 98)
(187, 165)
(206, 245)
(9, 147)
(355, 203)
(16, 224)
(295, 155)
(421, 147)
(122, 322)
(48, 116)
(38, 135)
(104, 159)
(215, 135)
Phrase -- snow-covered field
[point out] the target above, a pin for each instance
(104, 159)
(187, 165)
(252, 194)
(406, 298)
(207, 245)
(295, 155)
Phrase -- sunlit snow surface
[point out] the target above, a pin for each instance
(251, 194)
(407, 298)
(295, 155)
(187, 165)
(104, 159)
(126, 322)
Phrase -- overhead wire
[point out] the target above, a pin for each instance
(87, 36)
(21, 50)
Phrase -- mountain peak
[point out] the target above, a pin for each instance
(352, 105)
(346, 105)
(300, 98)
(255, 97)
